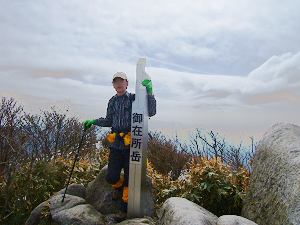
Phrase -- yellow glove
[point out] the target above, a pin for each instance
(111, 137)
(127, 138)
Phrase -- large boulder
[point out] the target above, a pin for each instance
(273, 195)
(74, 189)
(73, 210)
(180, 211)
(36, 215)
(99, 195)
(83, 214)
(56, 204)
(148, 206)
(234, 220)
(138, 221)
(89, 204)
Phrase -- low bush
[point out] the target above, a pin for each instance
(167, 156)
(208, 183)
(31, 186)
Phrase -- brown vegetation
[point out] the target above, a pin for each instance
(37, 152)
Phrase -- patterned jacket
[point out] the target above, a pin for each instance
(118, 116)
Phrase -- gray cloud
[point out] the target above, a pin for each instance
(218, 62)
(226, 38)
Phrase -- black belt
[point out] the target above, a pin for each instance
(118, 131)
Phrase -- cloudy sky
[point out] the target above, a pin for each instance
(228, 66)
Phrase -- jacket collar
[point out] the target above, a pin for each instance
(126, 94)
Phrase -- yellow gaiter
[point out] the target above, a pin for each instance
(118, 184)
(125, 194)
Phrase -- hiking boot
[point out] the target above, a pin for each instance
(120, 217)
(117, 193)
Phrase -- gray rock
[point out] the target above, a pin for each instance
(147, 203)
(56, 204)
(234, 220)
(74, 189)
(138, 221)
(180, 211)
(273, 195)
(109, 219)
(99, 194)
(83, 214)
(35, 215)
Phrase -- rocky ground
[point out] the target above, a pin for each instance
(272, 196)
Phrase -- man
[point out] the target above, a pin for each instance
(118, 117)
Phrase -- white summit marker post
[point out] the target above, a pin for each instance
(139, 144)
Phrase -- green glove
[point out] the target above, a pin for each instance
(88, 123)
(148, 84)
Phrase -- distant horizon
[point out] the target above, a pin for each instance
(66, 106)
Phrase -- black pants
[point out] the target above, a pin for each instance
(118, 159)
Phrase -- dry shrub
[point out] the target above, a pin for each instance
(160, 184)
(208, 183)
(166, 156)
(32, 185)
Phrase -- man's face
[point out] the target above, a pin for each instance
(120, 85)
